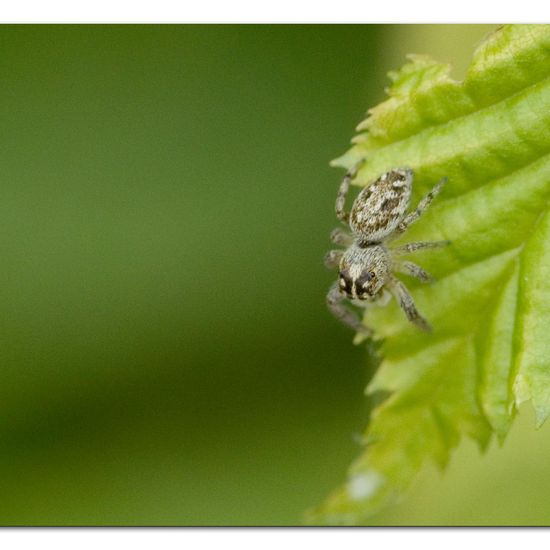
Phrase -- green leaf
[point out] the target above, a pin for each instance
(490, 307)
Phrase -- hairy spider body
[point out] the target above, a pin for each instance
(366, 268)
(380, 207)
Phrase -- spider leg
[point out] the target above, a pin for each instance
(414, 270)
(335, 304)
(339, 236)
(406, 303)
(332, 258)
(420, 209)
(420, 245)
(340, 205)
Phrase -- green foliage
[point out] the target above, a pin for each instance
(490, 307)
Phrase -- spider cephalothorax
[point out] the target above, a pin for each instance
(367, 266)
(362, 271)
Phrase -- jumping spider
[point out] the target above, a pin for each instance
(366, 267)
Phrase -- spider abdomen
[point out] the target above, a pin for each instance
(380, 207)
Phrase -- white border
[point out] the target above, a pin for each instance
(240, 11)
(273, 11)
(253, 539)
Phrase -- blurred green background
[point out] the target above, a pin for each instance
(166, 355)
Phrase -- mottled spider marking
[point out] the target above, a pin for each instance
(379, 208)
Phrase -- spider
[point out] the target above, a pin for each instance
(366, 268)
